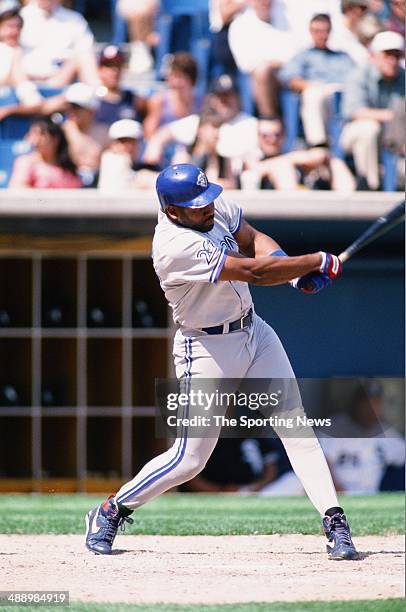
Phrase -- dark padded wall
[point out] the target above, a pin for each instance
(356, 326)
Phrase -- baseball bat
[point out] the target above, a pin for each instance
(378, 228)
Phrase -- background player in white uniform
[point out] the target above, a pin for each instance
(205, 255)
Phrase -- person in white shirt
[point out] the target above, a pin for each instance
(237, 133)
(359, 448)
(363, 446)
(53, 37)
(260, 49)
(119, 168)
(81, 132)
(345, 35)
(11, 70)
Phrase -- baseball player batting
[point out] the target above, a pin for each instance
(205, 256)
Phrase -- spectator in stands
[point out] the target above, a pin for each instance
(237, 133)
(115, 103)
(11, 24)
(49, 166)
(79, 129)
(11, 71)
(221, 14)
(58, 44)
(295, 17)
(369, 98)
(365, 454)
(368, 27)
(204, 151)
(270, 168)
(396, 20)
(260, 49)
(379, 8)
(120, 167)
(362, 446)
(238, 130)
(140, 15)
(317, 74)
(345, 35)
(179, 100)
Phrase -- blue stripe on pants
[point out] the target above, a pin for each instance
(173, 463)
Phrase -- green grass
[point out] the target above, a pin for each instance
(379, 605)
(191, 514)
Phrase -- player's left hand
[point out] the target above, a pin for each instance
(330, 265)
(312, 282)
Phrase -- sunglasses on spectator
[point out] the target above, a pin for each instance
(126, 139)
(271, 133)
(74, 106)
(117, 63)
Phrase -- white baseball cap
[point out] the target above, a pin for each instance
(387, 41)
(126, 128)
(9, 6)
(82, 95)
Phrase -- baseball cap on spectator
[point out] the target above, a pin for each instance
(387, 41)
(223, 84)
(126, 128)
(111, 54)
(9, 7)
(82, 95)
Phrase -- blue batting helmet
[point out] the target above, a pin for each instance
(185, 185)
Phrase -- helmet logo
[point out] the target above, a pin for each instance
(201, 179)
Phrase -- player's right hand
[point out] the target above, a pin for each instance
(312, 282)
(330, 265)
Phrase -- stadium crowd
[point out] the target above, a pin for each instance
(290, 95)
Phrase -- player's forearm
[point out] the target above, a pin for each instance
(279, 270)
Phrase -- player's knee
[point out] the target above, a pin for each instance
(193, 465)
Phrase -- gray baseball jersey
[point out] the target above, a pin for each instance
(188, 264)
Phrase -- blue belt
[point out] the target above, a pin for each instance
(242, 323)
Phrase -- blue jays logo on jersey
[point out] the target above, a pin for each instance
(208, 251)
(229, 243)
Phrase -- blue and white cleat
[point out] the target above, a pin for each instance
(102, 524)
(338, 533)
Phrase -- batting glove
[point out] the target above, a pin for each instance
(330, 265)
(312, 282)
